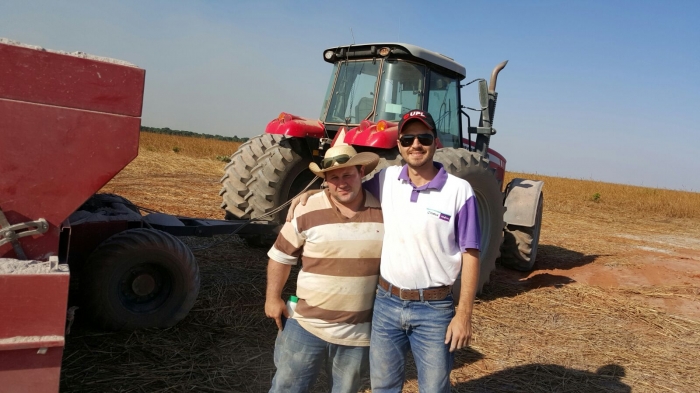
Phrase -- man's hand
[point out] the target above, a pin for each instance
(459, 332)
(275, 308)
(301, 199)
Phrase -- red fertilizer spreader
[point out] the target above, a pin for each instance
(68, 124)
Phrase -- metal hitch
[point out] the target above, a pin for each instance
(11, 233)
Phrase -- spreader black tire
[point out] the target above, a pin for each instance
(519, 249)
(139, 278)
(238, 173)
(99, 202)
(471, 167)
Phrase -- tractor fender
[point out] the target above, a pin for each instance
(379, 140)
(368, 134)
(295, 126)
(522, 197)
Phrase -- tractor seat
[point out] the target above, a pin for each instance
(363, 108)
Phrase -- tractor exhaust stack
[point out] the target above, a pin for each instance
(488, 111)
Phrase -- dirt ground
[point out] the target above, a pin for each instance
(612, 305)
(617, 255)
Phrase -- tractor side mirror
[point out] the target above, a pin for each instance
(483, 94)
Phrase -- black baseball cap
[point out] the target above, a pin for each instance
(417, 114)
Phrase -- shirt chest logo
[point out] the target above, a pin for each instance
(442, 216)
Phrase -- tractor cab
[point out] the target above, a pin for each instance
(377, 82)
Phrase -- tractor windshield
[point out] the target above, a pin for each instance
(401, 89)
(353, 94)
(352, 98)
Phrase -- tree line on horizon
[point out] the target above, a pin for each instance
(168, 131)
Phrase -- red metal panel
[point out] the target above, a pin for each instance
(33, 304)
(64, 80)
(369, 136)
(296, 127)
(53, 159)
(33, 311)
(26, 371)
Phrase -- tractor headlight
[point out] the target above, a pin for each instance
(328, 54)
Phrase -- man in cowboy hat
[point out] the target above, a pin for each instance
(338, 235)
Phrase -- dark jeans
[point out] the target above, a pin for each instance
(398, 325)
(299, 357)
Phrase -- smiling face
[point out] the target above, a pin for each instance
(345, 184)
(417, 155)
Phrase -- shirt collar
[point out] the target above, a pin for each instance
(436, 183)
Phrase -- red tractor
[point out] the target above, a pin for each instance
(370, 87)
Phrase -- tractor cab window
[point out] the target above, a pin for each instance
(443, 104)
(328, 89)
(353, 96)
(401, 89)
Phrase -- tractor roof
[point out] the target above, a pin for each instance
(397, 50)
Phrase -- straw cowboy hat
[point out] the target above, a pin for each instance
(344, 156)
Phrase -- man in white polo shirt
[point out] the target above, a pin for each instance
(431, 232)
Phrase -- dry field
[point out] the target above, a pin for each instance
(612, 305)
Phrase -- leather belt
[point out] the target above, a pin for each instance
(437, 293)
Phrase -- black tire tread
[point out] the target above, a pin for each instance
(238, 172)
(267, 179)
(475, 169)
(519, 249)
(387, 158)
(101, 264)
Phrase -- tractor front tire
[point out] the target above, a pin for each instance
(238, 173)
(519, 249)
(475, 169)
(140, 278)
(281, 174)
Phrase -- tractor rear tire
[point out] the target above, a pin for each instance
(238, 173)
(387, 158)
(140, 278)
(281, 174)
(475, 169)
(519, 249)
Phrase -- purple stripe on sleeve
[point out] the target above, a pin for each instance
(374, 185)
(467, 225)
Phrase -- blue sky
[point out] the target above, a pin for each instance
(602, 90)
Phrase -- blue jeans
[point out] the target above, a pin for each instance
(299, 357)
(398, 325)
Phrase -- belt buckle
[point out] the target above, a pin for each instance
(401, 294)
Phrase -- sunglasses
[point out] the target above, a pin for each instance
(423, 139)
(329, 162)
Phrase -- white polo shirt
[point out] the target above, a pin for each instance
(426, 229)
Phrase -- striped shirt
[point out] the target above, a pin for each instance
(339, 267)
